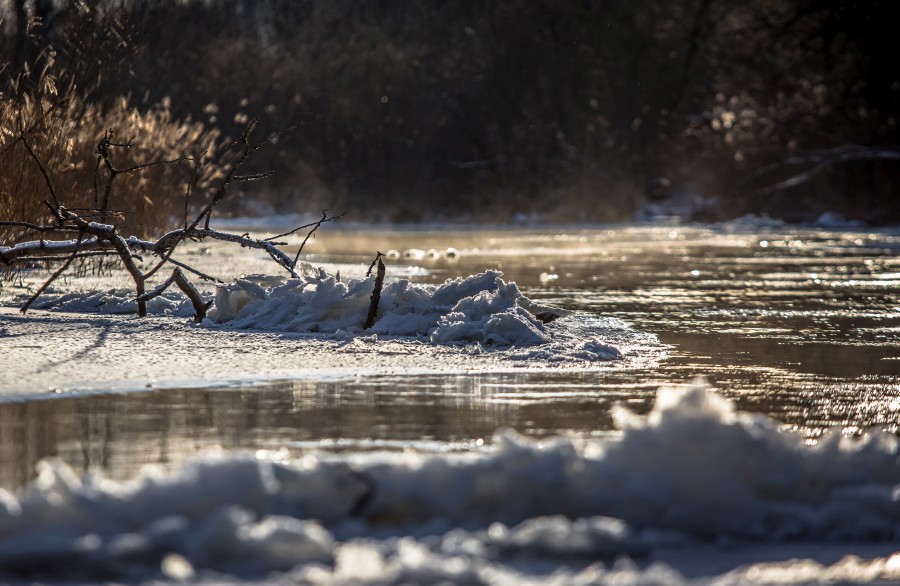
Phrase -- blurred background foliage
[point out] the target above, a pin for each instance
(498, 111)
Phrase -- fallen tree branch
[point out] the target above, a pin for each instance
(102, 238)
(178, 278)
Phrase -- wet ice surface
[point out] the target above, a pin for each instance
(798, 324)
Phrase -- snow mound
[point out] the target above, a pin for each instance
(480, 309)
(693, 471)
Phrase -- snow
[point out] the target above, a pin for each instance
(480, 322)
(481, 309)
(694, 479)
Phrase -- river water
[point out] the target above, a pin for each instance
(802, 324)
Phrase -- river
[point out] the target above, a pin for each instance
(799, 323)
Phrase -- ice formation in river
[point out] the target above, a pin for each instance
(692, 472)
(480, 313)
(481, 308)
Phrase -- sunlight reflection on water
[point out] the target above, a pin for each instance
(801, 325)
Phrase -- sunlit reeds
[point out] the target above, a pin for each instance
(64, 129)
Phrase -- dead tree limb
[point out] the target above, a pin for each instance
(817, 162)
(376, 294)
(178, 278)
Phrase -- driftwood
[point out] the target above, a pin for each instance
(376, 292)
(74, 234)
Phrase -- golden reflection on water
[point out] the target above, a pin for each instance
(805, 328)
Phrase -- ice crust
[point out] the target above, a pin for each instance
(693, 471)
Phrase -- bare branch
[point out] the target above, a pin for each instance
(43, 169)
(153, 164)
(167, 241)
(37, 227)
(316, 224)
(202, 275)
(48, 282)
(178, 278)
(11, 254)
(820, 160)
(310, 233)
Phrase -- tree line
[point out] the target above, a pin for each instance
(481, 110)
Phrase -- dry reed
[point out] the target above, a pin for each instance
(64, 130)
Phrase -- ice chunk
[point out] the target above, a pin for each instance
(481, 308)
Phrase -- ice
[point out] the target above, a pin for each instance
(481, 308)
(693, 472)
(481, 312)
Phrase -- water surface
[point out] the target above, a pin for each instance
(798, 323)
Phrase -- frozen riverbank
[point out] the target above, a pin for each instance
(68, 352)
(268, 327)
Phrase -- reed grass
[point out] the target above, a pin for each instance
(64, 129)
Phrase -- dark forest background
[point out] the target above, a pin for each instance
(485, 110)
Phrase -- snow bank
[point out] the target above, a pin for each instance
(481, 309)
(694, 471)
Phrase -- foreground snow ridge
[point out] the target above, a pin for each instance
(691, 472)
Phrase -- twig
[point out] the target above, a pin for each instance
(202, 275)
(47, 283)
(43, 169)
(378, 255)
(315, 226)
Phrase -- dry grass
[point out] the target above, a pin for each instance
(64, 131)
